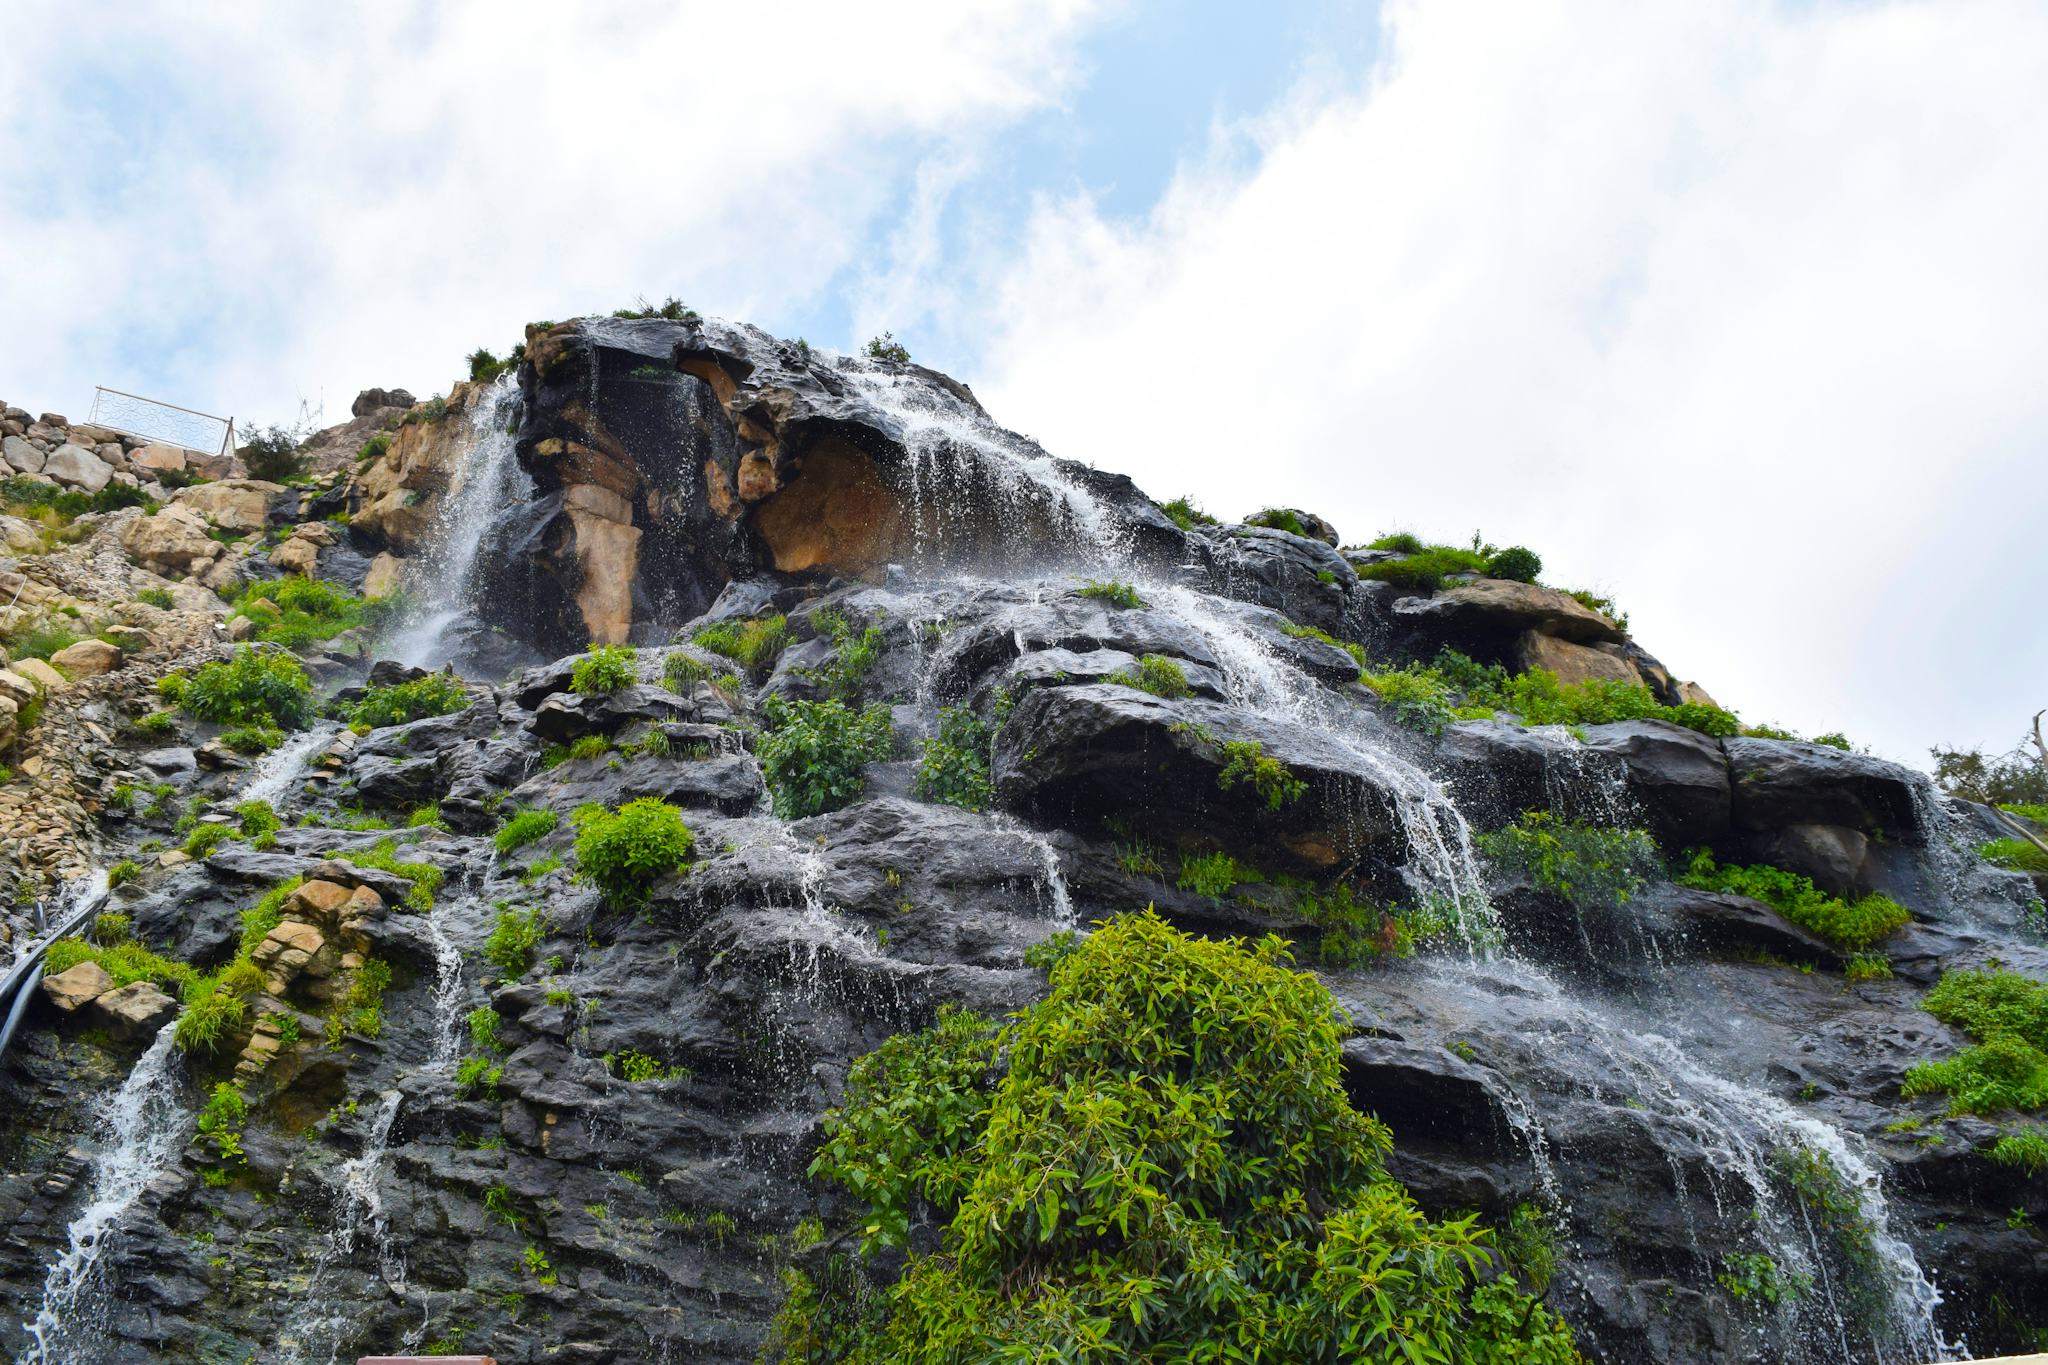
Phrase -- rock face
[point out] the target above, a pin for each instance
(77, 468)
(583, 1127)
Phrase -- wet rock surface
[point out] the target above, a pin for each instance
(573, 1128)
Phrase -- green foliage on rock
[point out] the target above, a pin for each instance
(1589, 865)
(1425, 569)
(605, 668)
(1120, 595)
(757, 643)
(1168, 1163)
(522, 828)
(255, 687)
(2021, 855)
(1157, 674)
(886, 349)
(1850, 925)
(1516, 563)
(2007, 1013)
(1272, 781)
(513, 938)
(954, 768)
(296, 612)
(1186, 513)
(623, 852)
(814, 753)
(437, 694)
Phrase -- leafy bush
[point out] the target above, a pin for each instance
(1186, 513)
(437, 694)
(252, 739)
(205, 839)
(484, 367)
(1851, 925)
(123, 872)
(512, 941)
(1588, 865)
(259, 823)
(1593, 601)
(1359, 934)
(605, 668)
(954, 770)
(1756, 1276)
(623, 851)
(159, 598)
(271, 453)
(1120, 595)
(1425, 570)
(1515, 563)
(424, 876)
(523, 828)
(2027, 1150)
(757, 644)
(1169, 1162)
(1050, 952)
(637, 1068)
(1418, 696)
(373, 449)
(1157, 674)
(256, 686)
(1538, 698)
(814, 753)
(886, 349)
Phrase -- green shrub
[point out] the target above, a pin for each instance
(954, 769)
(854, 654)
(255, 687)
(1398, 542)
(1050, 952)
(252, 739)
(1418, 696)
(1756, 1276)
(1589, 865)
(886, 349)
(259, 823)
(756, 644)
(1356, 933)
(523, 827)
(437, 694)
(221, 1120)
(41, 644)
(123, 872)
(296, 612)
(484, 367)
(1538, 698)
(1850, 925)
(157, 724)
(638, 1068)
(622, 852)
(1593, 601)
(1157, 674)
(1169, 1162)
(210, 1015)
(205, 839)
(682, 672)
(605, 668)
(373, 449)
(271, 453)
(1185, 513)
(1120, 595)
(477, 1078)
(512, 941)
(1515, 563)
(159, 598)
(814, 753)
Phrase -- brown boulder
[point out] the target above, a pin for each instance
(88, 659)
(386, 575)
(76, 987)
(238, 505)
(172, 542)
(1496, 604)
(136, 1010)
(159, 457)
(297, 556)
(1575, 663)
(41, 674)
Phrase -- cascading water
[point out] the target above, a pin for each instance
(319, 1324)
(488, 478)
(141, 1128)
(277, 770)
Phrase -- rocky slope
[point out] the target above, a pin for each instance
(565, 1127)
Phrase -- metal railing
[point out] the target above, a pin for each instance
(153, 420)
(19, 987)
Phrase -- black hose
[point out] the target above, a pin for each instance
(20, 986)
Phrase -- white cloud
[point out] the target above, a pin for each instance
(245, 208)
(1737, 310)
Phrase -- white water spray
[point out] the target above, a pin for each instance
(141, 1128)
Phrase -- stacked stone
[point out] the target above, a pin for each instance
(85, 458)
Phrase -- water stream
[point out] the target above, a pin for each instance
(140, 1129)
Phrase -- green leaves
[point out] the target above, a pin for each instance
(622, 852)
(1168, 1167)
(1589, 865)
(955, 768)
(605, 668)
(1849, 925)
(814, 752)
(437, 694)
(256, 686)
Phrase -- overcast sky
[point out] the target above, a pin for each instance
(1738, 311)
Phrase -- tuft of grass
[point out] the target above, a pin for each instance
(524, 827)
(2007, 1013)
(605, 668)
(1157, 674)
(2017, 854)
(756, 644)
(1277, 519)
(1120, 595)
(1215, 875)
(437, 694)
(1186, 513)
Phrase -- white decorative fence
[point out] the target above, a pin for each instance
(165, 423)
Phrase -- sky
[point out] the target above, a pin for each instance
(1735, 312)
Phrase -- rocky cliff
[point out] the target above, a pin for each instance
(1656, 997)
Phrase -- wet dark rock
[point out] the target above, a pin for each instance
(1678, 778)
(1779, 782)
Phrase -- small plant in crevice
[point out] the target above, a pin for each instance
(523, 826)
(886, 349)
(437, 694)
(1754, 1275)
(815, 753)
(1157, 674)
(1272, 781)
(638, 1067)
(1215, 875)
(1119, 595)
(2026, 1149)
(757, 644)
(1187, 514)
(854, 654)
(2007, 1014)
(221, 1121)
(953, 768)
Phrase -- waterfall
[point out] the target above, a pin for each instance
(320, 1315)
(442, 584)
(275, 772)
(141, 1128)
